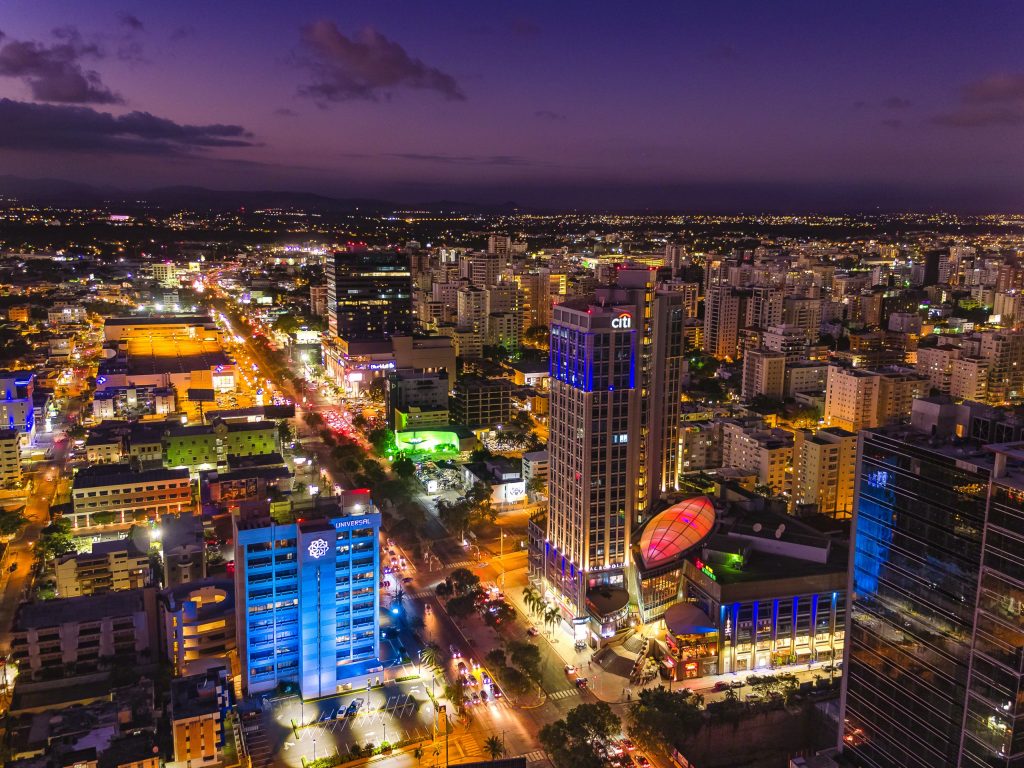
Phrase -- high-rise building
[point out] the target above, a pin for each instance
(933, 670)
(857, 399)
(721, 321)
(307, 597)
(369, 295)
(823, 470)
(318, 300)
(764, 374)
(610, 354)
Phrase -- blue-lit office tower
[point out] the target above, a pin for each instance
(935, 651)
(306, 595)
(612, 407)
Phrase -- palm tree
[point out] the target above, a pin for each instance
(429, 656)
(494, 747)
(551, 616)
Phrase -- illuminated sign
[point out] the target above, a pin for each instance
(706, 569)
(318, 548)
(623, 322)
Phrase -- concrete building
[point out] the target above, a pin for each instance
(824, 465)
(805, 377)
(17, 407)
(479, 402)
(109, 567)
(764, 374)
(857, 399)
(937, 364)
(318, 300)
(721, 322)
(116, 496)
(10, 459)
(536, 466)
(768, 452)
(408, 389)
(198, 623)
(198, 715)
(51, 636)
(183, 548)
(307, 596)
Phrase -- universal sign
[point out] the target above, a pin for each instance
(623, 322)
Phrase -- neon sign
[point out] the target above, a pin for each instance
(706, 569)
(623, 322)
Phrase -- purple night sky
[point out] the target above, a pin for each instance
(671, 105)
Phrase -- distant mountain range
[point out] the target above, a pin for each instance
(61, 192)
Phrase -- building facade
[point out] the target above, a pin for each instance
(307, 596)
(369, 294)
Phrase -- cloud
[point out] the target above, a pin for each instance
(498, 160)
(131, 21)
(547, 114)
(978, 117)
(525, 28)
(285, 112)
(995, 89)
(367, 66)
(896, 102)
(996, 100)
(55, 73)
(62, 128)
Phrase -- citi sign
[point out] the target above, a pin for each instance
(622, 322)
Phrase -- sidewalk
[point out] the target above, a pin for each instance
(611, 688)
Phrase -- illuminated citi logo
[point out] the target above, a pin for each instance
(623, 321)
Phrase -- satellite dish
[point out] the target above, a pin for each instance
(757, 527)
(780, 530)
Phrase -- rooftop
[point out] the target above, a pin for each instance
(52, 613)
(99, 475)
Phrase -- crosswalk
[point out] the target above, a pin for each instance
(462, 564)
(424, 593)
(564, 694)
(537, 756)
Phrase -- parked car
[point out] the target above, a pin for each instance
(533, 631)
(721, 685)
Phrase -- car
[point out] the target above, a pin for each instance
(354, 708)
(427, 608)
(474, 698)
(570, 670)
(581, 682)
(461, 666)
(641, 760)
(720, 686)
(533, 631)
(455, 652)
(483, 695)
(627, 745)
(737, 683)
(753, 698)
(407, 580)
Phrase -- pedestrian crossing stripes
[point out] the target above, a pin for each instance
(424, 593)
(536, 756)
(564, 694)
(461, 564)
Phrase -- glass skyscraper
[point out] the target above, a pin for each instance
(369, 295)
(934, 651)
(306, 595)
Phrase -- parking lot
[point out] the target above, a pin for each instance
(392, 713)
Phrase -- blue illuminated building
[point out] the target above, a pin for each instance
(17, 408)
(306, 595)
(934, 672)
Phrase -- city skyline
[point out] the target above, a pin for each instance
(792, 107)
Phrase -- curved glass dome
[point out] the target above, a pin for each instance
(676, 530)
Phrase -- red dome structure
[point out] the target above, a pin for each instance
(672, 533)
